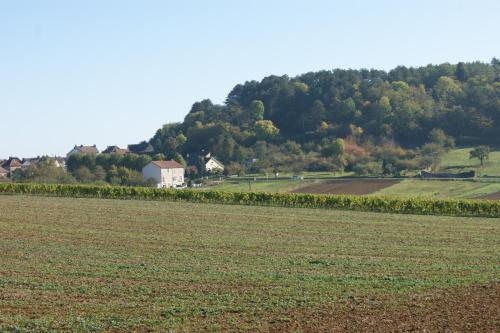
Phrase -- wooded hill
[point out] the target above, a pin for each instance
(297, 122)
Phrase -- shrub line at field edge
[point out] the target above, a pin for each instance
(420, 206)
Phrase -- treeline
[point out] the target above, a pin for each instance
(88, 168)
(477, 208)
(387, 122)
(45, 171)
(112, 168)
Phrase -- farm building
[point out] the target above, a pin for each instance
(210, 162)
(165, 173)
(59, 162)
(11, 165)
(27, 162)
(213, 164)
(83, 150)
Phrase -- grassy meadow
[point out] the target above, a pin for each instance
(459, 189)
(122, 265)
(457, 160)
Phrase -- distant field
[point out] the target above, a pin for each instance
(261, 185)
(485, 188)
(454, 161)
(458, 160)
(441, 188)
(347, 186)
(305, 174)
(121, 265)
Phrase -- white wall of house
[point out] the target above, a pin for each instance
(164, 177)
(172, 177)
(152, 171)
(212, 165)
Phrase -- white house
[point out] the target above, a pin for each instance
(165, 173)
(27, 162)
(212, 164)
(60, 162)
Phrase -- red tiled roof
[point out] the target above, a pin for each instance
(11, 162)
(115, 150)
(168, 164)
(88, 149)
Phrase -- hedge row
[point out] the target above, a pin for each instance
(476, 208)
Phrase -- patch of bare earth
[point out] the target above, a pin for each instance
(348, 186)
(491, 196)
(465, 309)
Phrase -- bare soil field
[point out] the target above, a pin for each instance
(463, 309)
(492, 196)
(348, 186)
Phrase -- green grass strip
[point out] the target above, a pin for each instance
(422, 206)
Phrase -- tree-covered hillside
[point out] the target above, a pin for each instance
(338, 119)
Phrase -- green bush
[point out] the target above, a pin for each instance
(476, 208)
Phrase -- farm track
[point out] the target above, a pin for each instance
(348, 186)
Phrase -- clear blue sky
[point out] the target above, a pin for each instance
(112, 72)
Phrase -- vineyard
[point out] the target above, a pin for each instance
(423, 206)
